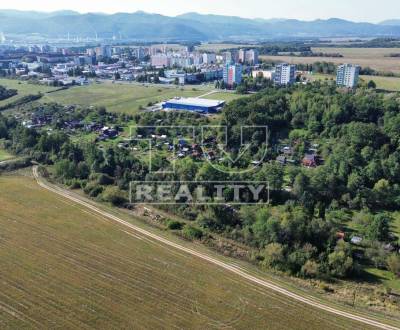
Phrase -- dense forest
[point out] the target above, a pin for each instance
(305, 231)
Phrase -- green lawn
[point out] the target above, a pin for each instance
(4, 155)
(224, 96)
(118, 97)
(123, 98)
(385, 277)
(385, 83)
(23, 88)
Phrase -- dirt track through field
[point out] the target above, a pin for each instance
(264, 283)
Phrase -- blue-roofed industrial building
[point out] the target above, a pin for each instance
(194, 104)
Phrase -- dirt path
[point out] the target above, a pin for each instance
(267, 284)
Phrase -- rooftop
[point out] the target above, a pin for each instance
(194, 101)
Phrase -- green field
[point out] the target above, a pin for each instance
(118, 97)
(375, 58)
(219, 47)
(124, 98)
(23, 89)
(385, 83)
(224, 96)
(4, 155)
(127, 98)
(63, 266)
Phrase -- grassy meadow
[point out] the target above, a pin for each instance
(118, 97)
(4, 155)
(63, 266)
(123, 98)
(23, 88)
(386, 83)
(224, 96)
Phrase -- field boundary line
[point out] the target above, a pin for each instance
(265, 283)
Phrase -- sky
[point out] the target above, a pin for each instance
(356, 10)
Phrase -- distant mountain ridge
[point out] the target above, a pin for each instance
(189, 26)
(391, 22)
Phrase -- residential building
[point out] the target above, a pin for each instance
(233, 74)
(84, 60)
(347, 75)
(212, 74)
(103, 51)
(161, 60)
(228, 57)
(197, 59)
(242, 56)
(209, 58)
(138, 53)
(249, 56)
(267, 74)
(285, 74)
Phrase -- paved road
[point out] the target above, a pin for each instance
(267, 284)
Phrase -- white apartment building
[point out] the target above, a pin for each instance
(347, 75)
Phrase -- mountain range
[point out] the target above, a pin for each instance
(190, 26)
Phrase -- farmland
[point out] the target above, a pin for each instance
(375, 58)
(211, 47)
(65, 266)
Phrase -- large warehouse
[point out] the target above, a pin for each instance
(193, 104)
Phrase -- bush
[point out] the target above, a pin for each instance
(192, 233)
(273, 256)
(310, 269)
(93, 189)
(74, 184)
(114, 196)
(393, 264)
(101, 178)
(174, 225)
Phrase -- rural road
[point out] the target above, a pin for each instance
(264, 283)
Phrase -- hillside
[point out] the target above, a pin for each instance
(190, 26)
(393, 22)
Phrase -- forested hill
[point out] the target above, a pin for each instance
(358, 135)
(190, 26)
